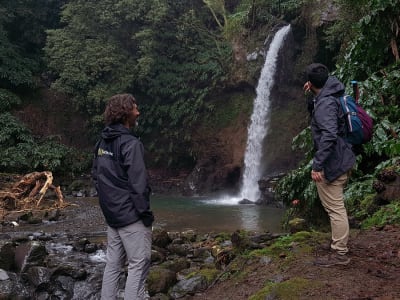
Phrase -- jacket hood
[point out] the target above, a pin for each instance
(332, 87)
(113, 131)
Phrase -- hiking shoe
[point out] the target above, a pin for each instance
(332, 260)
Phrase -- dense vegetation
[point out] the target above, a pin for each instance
(369, 35)
(174, 56)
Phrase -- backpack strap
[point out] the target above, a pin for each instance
(356, 91)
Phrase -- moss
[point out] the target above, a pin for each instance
(301, 242)
(227, 109)
(389, 214)
(222, 237)
(289, 289)
(208, 273)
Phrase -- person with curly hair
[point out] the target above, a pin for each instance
(120, 178)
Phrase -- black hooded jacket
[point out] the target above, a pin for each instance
(332, 155)
(120, 177)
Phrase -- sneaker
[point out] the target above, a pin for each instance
(332, 260)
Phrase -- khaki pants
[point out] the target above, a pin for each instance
(331, 195)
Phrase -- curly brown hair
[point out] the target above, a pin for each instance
(118, 108)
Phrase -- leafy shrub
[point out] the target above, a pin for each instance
(8, 100)
(21, 152)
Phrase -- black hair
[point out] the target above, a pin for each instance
(317, 74)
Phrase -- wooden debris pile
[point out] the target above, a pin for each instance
(29, 191)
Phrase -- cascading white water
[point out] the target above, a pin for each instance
(260, 119)
(258, 127)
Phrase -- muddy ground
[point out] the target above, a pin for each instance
(373, 273)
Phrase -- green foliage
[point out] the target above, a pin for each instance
(21, 152)
(375, 38)
(369, 43)
(297, 185)
(8, 100)
(161, 51)
(389, 214)
(22, 37)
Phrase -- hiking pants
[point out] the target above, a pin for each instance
(131, 243)
(331, 195)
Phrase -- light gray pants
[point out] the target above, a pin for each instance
(131, 243)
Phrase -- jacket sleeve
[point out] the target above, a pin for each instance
(133, 161)
(326, 122)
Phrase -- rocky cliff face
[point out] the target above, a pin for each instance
(220, 163)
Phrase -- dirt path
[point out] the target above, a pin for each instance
(374, 273)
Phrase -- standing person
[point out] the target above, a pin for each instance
(120, 177)
(333, 158)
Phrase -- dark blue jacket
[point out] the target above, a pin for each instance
(332, 154)
(120, 177)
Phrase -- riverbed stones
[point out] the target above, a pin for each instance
(161, 238)
(7, 253)
(160, 280)
(29, 254)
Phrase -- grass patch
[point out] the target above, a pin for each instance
(290, 289)
(389, 214)
(289, 245)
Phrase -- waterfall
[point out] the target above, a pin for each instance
(258, 127)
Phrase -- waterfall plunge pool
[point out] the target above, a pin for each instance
(83, 218)
(207, 214)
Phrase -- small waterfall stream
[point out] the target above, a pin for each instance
(259, 120)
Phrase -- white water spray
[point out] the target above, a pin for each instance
(260, 119)
(258, 126)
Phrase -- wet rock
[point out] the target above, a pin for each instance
(160, 280)
(12, 288)
(189, 286)
(71, 269)
(176, 265)
(38, 275)
(7, 253)
(161, 238)
(297, 224)
(90, 248)
(388, 188)
(3, 275)
(245, 201)
(157, 256)
(6, 288)
(202, 252)
(189, 236)
(5, 236)
(181, 250)
(81, 244)
(261, 238)
(29, 254)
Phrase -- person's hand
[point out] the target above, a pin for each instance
(147, 218)
(307, 87)
(317, 176)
